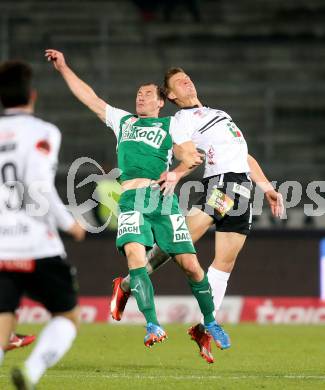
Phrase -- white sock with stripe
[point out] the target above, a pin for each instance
(54, 341)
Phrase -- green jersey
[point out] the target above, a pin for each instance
(144, 145)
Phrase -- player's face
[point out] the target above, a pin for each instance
(148, 102)
(181, 87)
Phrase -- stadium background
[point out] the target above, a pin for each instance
(260, 60)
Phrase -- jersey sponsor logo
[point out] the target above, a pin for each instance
(7, 136)
(241, 190)
(8, 147)
(180, 230)
(153, 136)
(17, 265)
(18, 229)
(128, 223)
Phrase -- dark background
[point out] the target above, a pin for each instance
(271, 263)
(262, 61)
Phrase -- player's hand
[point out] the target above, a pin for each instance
(275, 201)
(193, 159)
(168, 182)
(56, 57)
(77, 232)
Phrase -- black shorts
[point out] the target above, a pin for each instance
(52, 282)
(228, 199)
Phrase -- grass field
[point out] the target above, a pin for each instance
(113, 357)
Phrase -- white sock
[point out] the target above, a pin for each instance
(218, 281)
(2, 355)
(53, 342)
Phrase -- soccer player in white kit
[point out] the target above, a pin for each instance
(226, 195)
(31, 251)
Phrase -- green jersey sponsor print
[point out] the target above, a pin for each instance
(144, 147)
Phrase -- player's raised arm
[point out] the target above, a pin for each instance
(79, 88)
(273, 197)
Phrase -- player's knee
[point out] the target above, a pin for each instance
(72, 315)
(224, 264)
(192, 267)
(135, 255)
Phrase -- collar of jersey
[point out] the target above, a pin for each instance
(191, 107)
(14, 111)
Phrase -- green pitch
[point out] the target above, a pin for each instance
(114, 358)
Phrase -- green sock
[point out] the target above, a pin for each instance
(202, 292)
(142, 290)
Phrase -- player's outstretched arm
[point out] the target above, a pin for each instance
(79, 88)
(273, 197)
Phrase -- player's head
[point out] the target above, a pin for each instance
(16, 84)
(178, 86)
(150, 100)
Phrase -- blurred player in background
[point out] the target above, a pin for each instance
(225, 202)
(145, 144)
(18, 341)
(31, 251)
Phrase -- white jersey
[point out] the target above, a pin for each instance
(30, 208)
(222, 141)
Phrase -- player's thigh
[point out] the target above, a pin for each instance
(54, 284)
(172, 235)
(133, 227)
(198, 222)
(11, 290)
(227, 246)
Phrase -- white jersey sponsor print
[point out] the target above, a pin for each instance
(30, 208)
(223, 142)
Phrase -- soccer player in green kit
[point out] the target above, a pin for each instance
(145, 144)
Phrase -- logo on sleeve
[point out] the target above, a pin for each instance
(43, 146)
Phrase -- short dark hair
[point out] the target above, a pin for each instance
(160, 90)
(15, 83)
(168, 75)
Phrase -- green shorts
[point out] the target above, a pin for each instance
(146, 216)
